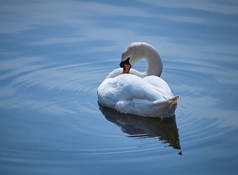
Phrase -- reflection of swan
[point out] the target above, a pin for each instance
(166, 130)
(144, 94)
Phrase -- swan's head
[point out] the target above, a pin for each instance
(129, 58)
(137, 51)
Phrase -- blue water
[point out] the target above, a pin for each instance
(53, 56)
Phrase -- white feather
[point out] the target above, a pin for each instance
(148, 95)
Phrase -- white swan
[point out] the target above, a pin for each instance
(129, 91)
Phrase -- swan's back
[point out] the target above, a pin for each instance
(129, 93)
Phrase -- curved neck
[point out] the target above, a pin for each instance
(154, 65)
(153, 59)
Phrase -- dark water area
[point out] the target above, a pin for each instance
(54, 55)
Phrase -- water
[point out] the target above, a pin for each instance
(53, 56)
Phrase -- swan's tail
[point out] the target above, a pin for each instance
(173, 101)
(167, 108)
(172, 105)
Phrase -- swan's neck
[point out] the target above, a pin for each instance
(154, 65)
(153, 61)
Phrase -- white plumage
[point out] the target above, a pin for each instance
(142, 94)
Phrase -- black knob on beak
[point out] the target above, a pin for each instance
(125, 62)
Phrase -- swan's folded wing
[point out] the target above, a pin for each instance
(160, 86)
(136, 95)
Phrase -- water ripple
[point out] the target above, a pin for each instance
(73, 84)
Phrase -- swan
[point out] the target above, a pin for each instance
(140, 93)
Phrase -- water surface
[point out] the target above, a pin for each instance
(54, 55)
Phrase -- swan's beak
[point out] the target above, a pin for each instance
(126, 68)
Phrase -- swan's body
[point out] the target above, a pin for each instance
(143, 94)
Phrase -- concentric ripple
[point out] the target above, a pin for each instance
(64, 124)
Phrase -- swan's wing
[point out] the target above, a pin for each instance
(132, 94)
(160, 86)
(127, 87)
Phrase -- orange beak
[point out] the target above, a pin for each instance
(126, 69)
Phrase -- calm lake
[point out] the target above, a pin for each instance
(53, 56)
